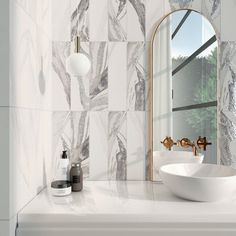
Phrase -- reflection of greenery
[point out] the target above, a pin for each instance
(205, 91)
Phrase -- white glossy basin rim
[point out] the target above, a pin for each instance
(196, 170)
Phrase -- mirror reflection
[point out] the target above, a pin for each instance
(185, 85)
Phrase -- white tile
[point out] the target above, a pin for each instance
(61, 20)
(228, 17)
(5, 164)
(98, 145)
(30, 83)
(30, 155)
(117, 74)
(154, 12)
(98, 20)
(136, 142)
(136, 20)
(39, 11)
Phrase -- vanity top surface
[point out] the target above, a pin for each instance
(128, 201)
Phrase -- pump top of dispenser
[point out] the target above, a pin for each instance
(64, 155)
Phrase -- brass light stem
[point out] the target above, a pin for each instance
(77, 44)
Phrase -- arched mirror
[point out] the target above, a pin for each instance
(184, 90)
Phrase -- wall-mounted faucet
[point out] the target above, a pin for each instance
(201, 143)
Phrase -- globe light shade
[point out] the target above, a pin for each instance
(78, 64)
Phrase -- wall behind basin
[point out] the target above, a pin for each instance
(101, 117)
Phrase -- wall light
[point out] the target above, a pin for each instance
(77, 64)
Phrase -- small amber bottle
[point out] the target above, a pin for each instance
(76, 177)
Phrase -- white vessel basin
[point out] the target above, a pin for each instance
(200, 182)
(161, 158)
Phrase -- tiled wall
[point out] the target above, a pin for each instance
(25, 115)
(101, 118)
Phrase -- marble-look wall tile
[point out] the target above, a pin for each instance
(99, 76)
(227, 104)
(71, 132)
(117, 20)
(136, 20)
(30, 154)
(154, 12)
(136, 143)
(80, 100)
(117, 73)
(98, 20)
(39, 11)
(61, 20)
(80, 19)
(61, 81)
(98, 145)
(30, 64)
(172, 5)
(136, 71)
(211, 9)
(228, 16)
(117, 146)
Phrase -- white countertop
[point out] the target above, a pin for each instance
(123, 202)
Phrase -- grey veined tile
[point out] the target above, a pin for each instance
(99, 76)
(227, 104)
(136, 20)
(172, 5)
(80, 19)
(71, 132)
(117, 146)
(117, 20)
(136, 71)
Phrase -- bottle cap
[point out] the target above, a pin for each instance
(76, 164)
(60, 184)
(64, 155)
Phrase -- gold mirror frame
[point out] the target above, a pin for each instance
(150, 59)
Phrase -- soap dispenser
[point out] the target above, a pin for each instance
(62, 172)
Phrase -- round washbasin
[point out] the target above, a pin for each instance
(161, 158)
(200, 182)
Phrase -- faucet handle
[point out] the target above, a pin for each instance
(184, 142)
(168, 143)
(202, 143)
